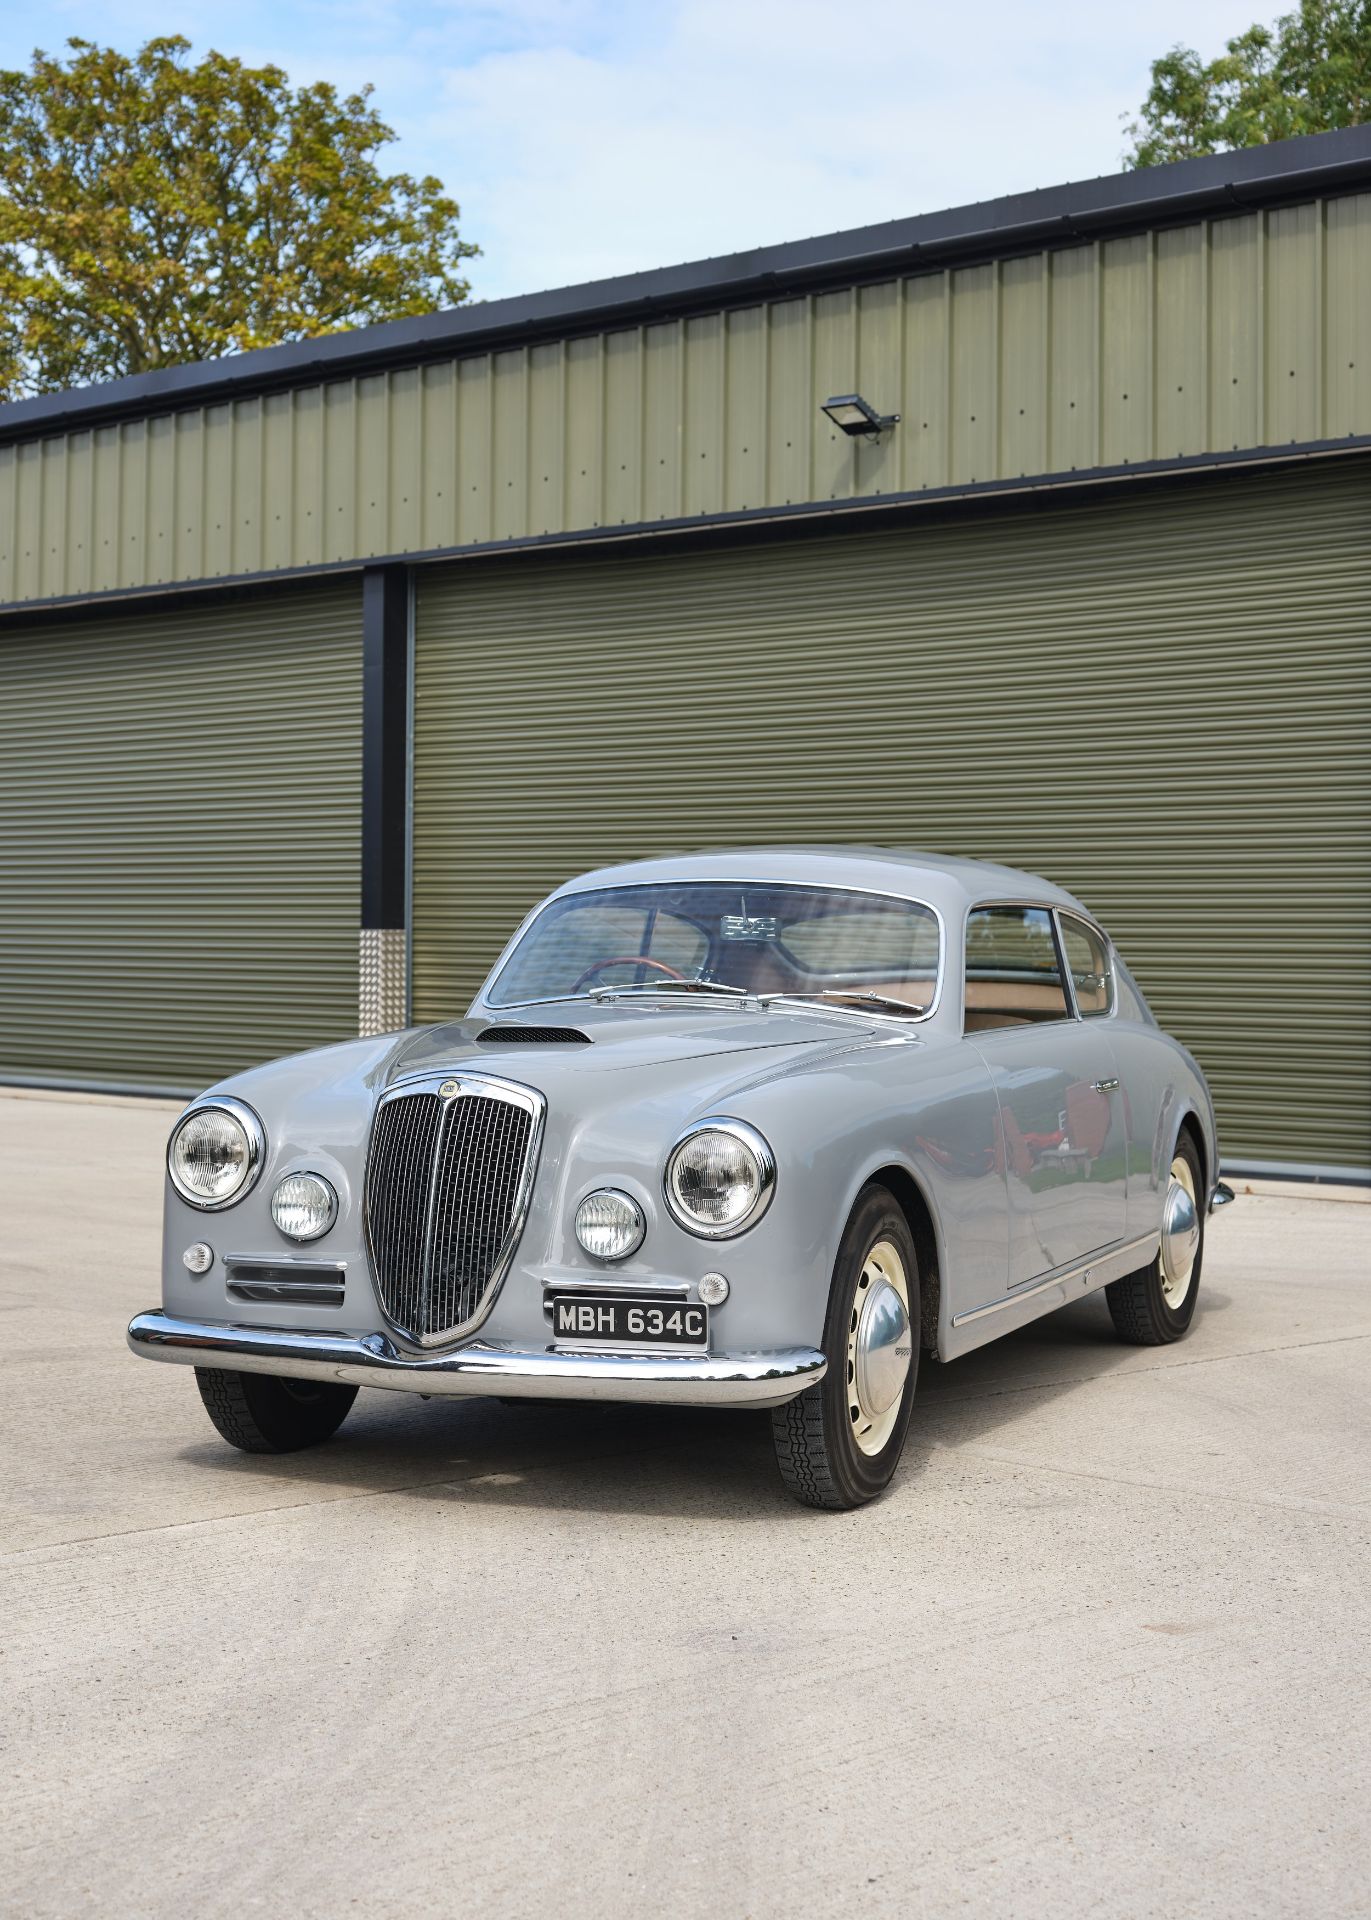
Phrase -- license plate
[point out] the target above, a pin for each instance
(629, 1323)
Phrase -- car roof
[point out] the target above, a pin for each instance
(945, 881)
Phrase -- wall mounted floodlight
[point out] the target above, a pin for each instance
(850, 412)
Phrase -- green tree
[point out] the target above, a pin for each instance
(154, 211)
(1309, 73)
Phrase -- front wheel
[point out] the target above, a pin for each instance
(839, 1442)
(260, 1413)
(1155, 1305)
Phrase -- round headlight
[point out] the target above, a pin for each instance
(215, 1153)
(609, 1225)
(720, 1178)
(304, 1205)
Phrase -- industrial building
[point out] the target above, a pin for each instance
(320, 664)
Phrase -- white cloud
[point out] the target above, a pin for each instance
(743, 122)
(592, 137)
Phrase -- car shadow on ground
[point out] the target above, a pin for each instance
(693, 1463)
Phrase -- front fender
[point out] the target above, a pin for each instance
(927, 1112)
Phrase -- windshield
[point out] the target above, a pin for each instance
(807, 941)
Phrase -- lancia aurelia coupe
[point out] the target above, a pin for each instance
(729, 1130)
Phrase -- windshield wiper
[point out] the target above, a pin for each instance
(852, 998)
(668, 986)
(864, 995)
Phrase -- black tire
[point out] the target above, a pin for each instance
(820, 1461)
(260, 1413)
(1137, 1304)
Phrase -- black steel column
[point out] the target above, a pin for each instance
(385, 826)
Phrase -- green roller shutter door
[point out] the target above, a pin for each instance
(180, 797)
(1159, 698)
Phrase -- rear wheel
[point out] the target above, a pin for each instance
(1155, 1305)
(838, 1443)
(261, 1413)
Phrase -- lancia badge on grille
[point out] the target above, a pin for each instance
(448, 1088)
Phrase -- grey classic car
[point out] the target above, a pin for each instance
(728, 1130)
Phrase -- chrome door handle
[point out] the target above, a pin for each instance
(1105, 1086)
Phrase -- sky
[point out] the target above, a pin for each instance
(592, 137)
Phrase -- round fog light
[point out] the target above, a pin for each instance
(713, 1289)
(304, 1205)
(610, 1225)
(199, 1258)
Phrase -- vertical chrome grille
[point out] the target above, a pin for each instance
(448, 1180)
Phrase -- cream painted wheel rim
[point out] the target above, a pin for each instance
(880, 1347)
(1180, 1233)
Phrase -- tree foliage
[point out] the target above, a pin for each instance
(1309, 73)
(154, 211)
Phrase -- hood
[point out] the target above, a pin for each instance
(647, 1068)
(584, 1037)
(643, 1070)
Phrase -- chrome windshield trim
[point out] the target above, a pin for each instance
(704, 880)
(716, 987)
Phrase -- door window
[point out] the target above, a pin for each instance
(1013, 975)
(1091, 973)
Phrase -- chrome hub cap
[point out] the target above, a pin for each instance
(1180, 1233)
(880, 1347)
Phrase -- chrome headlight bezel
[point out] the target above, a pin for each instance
(635, 1215)
(330, 1217)
(254, 1134)
(755, 1144)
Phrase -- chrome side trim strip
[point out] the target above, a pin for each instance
(1091, 1271)
(766, 1379)
(287, 1257)
(306, 1293)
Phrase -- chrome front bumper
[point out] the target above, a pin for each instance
(483, 1366)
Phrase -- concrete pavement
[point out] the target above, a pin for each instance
(1101, 1651)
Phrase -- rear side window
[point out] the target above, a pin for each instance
(1087, 956)
(1013, 977)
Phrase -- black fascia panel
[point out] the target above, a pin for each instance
(1119, 203)
(385, 744)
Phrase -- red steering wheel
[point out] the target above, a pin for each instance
(626, 960)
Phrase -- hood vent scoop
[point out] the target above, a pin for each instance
(533, 1037)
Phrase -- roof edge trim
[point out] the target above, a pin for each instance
(1049, 216)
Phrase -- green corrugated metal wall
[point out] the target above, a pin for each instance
(1159, 698)
(1241, 332)
(180, 801)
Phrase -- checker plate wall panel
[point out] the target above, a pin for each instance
(1159, 698)
(180, 834)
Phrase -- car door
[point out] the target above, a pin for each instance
(1061, 1144)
